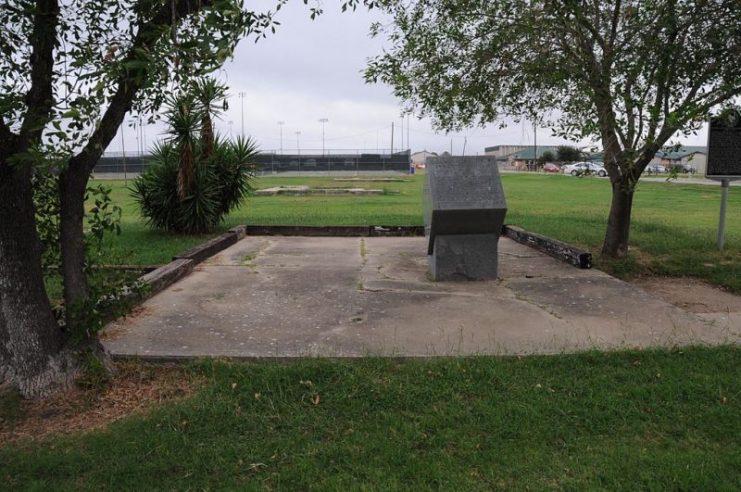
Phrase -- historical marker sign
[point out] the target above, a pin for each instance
(724, 147)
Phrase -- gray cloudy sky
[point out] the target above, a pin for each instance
(309, 70)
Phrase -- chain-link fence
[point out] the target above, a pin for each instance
(276, 163)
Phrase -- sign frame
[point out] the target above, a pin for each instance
(722, 177)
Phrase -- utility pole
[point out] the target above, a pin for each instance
(242, 96)
(280, 125)
(323, 121)
(298, 145)
(535, 145)
(451, 146)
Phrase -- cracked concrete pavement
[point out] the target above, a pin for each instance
(351, 297)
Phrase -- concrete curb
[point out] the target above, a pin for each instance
(157, 280)
(552, 247)
(209, 248)
(166, 275)
(346, 231)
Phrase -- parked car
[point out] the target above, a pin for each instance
(550, 167)
(655, 169)
(584, 169)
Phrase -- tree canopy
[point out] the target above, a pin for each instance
(627, 73)
(69, 73)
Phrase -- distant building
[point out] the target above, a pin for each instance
(503, 150)
(521, 157)
(695, 156)
(419, 159)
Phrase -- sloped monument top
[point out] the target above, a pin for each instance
(463, 195)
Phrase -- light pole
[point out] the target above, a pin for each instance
(323, 121)
(123, 156)
(298, 150)
(132, 122)
(241, 96)
(144, 135)
(280, 125)
(231, 126)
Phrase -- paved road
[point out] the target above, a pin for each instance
(302, 296)
(679, 181)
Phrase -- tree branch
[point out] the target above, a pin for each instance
(40, 97)
(128, 86)
(6, 135)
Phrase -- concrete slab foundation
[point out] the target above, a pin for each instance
(352, 297)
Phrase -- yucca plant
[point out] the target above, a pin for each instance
(184, 118)
(211, 97)
(188, 190)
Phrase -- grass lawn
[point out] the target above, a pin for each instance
(673, 230)
(654, 420)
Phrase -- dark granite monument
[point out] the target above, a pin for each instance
(464, 209)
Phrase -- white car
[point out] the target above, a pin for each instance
(585, 168)
(655, 169)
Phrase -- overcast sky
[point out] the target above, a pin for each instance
(310, 70)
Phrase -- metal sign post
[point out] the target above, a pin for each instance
(724, 184)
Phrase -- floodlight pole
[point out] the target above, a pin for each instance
(123, 157)
(323, 121)
(280, 125)
(298, 150)
(242, 96)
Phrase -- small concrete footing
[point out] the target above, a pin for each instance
(464, 257)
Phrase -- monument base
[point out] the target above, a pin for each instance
(464, 257)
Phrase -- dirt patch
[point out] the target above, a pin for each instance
(135, 388)
(691, 294)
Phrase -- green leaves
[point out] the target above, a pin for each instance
(220, 183)
(653, 65)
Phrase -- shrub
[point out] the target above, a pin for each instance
(220, 183)
(195, 179)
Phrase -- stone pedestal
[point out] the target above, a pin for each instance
(464, 257)
(464, 212)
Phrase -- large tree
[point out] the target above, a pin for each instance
(69, 73)
(629, 74)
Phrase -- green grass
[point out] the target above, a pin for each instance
(663, 420)
(673, 230)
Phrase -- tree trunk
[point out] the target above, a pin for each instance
(32, 354)
(72, 210)
(618, 222)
